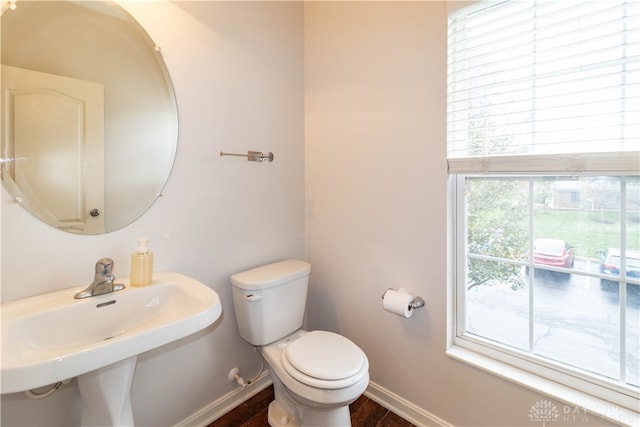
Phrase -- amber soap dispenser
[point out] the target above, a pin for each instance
(141, 264)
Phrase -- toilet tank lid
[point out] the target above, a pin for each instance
(270, 275)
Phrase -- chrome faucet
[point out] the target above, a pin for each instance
(102, 281)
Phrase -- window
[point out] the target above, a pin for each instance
(544, 162)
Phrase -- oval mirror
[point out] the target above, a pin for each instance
(88, 112)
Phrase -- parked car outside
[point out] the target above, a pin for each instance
(611, 262)
(553, 252)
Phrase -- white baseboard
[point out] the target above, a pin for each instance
(226, 403)
(375, 392)
(403, 407)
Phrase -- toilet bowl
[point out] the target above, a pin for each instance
(316, 376)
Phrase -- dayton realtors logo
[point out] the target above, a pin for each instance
(543, 411)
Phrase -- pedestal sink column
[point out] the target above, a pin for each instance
(106, 395)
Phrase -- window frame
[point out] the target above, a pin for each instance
(544, 146)
(607, 398)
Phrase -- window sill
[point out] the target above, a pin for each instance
(578, 400)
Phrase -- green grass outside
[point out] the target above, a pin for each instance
(589, 232)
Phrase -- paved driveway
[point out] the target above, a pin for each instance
(575, 320)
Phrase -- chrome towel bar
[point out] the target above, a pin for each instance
(252, 156)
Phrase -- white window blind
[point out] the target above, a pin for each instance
(544, 85)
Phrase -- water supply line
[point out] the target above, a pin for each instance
(32, 394)
(234, 374)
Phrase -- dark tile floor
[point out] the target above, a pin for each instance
(253, 413)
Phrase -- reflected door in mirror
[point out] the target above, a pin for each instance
(55, 131)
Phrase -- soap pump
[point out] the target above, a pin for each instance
(141, 264)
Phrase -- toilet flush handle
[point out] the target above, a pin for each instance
(253, 297)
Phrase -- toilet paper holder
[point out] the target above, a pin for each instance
(416, 302)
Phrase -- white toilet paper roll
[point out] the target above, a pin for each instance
(397, 303)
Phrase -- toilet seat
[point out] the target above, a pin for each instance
(324, 360)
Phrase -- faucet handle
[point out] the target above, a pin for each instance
(104, 266)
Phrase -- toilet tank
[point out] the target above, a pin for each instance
(269, 301)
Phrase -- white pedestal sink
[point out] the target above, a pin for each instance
(54, 337)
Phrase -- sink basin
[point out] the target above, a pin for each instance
(53, 337)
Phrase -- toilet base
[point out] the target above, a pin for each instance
(278, 417)
(336, 417)
(285, 412)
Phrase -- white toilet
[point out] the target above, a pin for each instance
(317, 374)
